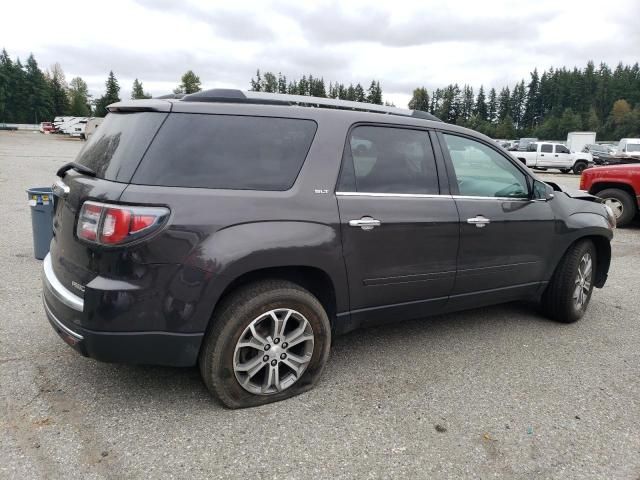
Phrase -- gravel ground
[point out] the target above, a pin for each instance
(496, 392)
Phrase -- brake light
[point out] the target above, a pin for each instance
(583, 182)
(107, 224)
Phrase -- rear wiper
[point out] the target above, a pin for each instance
(77, 167)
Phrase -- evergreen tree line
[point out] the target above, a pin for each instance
(29, 95)
(315, 87)
(548, 106)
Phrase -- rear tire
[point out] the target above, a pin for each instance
(579, 167)
(235, 341)
(567, 295)
(621, 203)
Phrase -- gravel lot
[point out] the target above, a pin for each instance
(494, 392)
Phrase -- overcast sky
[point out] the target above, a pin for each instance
(404, 44)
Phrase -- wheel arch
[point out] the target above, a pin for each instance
(603, 256)
(597, 187)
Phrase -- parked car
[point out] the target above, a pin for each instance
(46, 127)
(545, 155)
(241, 231)
(603, 154)
(629, 147)
(618, 186)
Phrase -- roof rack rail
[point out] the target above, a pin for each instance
(226, 95)
(175, 96)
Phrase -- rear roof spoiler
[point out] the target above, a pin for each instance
(149, 105)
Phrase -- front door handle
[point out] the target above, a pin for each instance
(479, 221)
(366, 223)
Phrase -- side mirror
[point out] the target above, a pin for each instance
(542, 191)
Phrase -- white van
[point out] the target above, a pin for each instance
(628, 147)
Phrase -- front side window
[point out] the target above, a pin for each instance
(546, 148)
(562, 149)
(481, 171)
(388, 160)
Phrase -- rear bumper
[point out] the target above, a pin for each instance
(63, 309)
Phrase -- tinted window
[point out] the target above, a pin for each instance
(389, 160)
(546, 148)
(227, 151)
(633, 147)
(482, 172)
(115, 149)
(562, 149)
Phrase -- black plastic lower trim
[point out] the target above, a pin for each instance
(142, 348)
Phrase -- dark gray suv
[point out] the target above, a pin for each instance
(240, 231)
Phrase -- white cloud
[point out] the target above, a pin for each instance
(404, 44)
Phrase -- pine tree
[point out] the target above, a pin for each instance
(466, 106)
(39, 101)
(359, 93)
(282, 83)
(351, 93)
(256, 83)
(137, 91)
(532, 113)
(504, 104)
(6, 84)
(111, 95)
(374, 94)
(480, 108)
(492, 106)
(517, 104)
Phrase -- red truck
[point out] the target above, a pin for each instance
(618, 185)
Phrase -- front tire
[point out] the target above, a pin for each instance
(269, 341)
(567, 295)
(621, 203)
(579, 167)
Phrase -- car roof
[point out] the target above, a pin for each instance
(227, 101)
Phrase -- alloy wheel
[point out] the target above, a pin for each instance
(583, 281)
(273, 351)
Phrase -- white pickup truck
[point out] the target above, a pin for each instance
(545, 155)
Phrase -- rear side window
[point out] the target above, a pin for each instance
(546, 148)
(117, 145)
(388, 160)
(227, 151)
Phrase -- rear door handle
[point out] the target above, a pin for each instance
(366, 223)
(479, 221)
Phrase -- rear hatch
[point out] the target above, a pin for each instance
(113, 154)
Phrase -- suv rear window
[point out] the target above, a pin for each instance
(227, 151)
(115, 148)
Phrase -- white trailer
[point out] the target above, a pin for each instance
(74, 126)
(92, 124)
(59, 121)
(576, 141)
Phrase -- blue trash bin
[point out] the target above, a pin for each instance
(41, 203)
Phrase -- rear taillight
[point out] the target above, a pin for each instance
(107, 224)
(583, 182)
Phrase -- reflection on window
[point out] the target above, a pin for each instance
(482, 172)
(389, 160)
